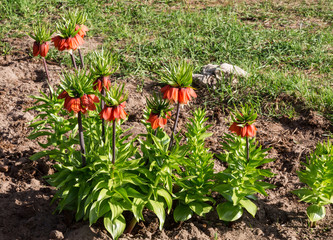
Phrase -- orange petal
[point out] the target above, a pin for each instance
(44, 48)
(35, 49)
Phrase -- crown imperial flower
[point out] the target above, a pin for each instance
(113, 113)
(41, 36)
(114, 104)
(160, 111)
(102, 83)
(78, 92)
(40, 49)
(246, 131)
(157, 121)
(178, 80)
(243, 122)
(79, 104)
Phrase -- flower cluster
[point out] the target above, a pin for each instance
(40, 48)
(243, 122)
(78, 92)
(112, 113)
(69, 43)
(244, 131)
(41, 37)
(174, 94)
(71, 31)
(79, 104)
(178, 80)
(114, 104)
(160, 111)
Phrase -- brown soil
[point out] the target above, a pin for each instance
(25, 197)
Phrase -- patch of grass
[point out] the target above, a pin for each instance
(285, 46)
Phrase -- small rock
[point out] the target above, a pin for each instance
(55, 234)
(228, 69)
(209, 69)
(4, 168)
(258, 232)
(198, 77)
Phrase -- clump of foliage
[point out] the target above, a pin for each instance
(318, 177)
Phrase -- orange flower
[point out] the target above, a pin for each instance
(113, 113)
(246, 131)
(102, 82)
(174, 94)
(158, 121)
(185, 95)
(86, 102)
(40, 49)
(83, 30)
(170, 93)
(67, 43)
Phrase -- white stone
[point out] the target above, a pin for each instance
(229, 69)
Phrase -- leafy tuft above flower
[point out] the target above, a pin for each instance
(103, 63)
(178, 75)
(77, 84)
(115, 95)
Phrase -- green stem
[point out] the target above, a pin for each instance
(114, 142)
(174, 126)
(47, 75)
(83, 150)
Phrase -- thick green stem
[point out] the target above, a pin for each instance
(81, 58)
(47, 75)
(73, 59)
(247, 149)
(83, 150)
(114, 142)
(174, 126)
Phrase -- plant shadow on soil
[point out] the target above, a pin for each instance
(25, 197)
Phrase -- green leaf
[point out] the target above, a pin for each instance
(103, 194)
(315, 212)
(38, 134)
(41, 154)
(182, 213)
(249, 206)
(228, 212)
(167, 197)
(93, 215)
(116, 209)
(116, 227)
(137, 208)
(158, 209)
(200, 208)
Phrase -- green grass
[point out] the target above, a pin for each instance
(286, 47)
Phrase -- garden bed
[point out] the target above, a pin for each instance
(25, 197)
